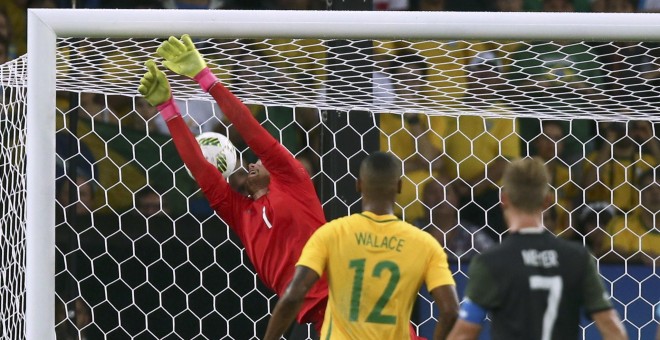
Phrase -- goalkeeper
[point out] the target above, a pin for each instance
(282, 210)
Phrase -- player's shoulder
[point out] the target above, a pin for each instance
(571, 247)
(499, 256)
(330, 230)
(334, 223)
(506, 245)
(494, 253)
(567, 249)
(414, 231)
(339, 223)
(422, 234)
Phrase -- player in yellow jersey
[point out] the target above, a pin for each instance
(375, 265)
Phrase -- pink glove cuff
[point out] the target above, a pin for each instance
(168, 109)
(205, 78)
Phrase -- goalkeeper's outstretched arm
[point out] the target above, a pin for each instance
(156, 90)
(182, 57)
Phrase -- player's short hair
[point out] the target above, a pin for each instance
(380, 170)
(525, 181)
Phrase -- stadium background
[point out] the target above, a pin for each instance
(172, 256)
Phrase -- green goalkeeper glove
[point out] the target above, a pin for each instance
(156, 90)
(181, 56)
(154, 85)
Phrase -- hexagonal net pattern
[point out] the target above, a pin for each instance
(140, 254)
(12, 197)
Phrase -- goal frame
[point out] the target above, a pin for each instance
(46, 25)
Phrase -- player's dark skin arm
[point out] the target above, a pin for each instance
(446, 299)
(289, 304)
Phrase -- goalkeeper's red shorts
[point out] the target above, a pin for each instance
(413, 335)
(316, 314)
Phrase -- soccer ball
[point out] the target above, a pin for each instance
(219, 151)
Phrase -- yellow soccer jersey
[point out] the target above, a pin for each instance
(375, 266)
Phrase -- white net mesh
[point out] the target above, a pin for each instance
(12, 198)
(554, 79)
(140, 254)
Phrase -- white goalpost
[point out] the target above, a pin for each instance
(61, 51)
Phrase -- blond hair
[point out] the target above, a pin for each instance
(525, 182)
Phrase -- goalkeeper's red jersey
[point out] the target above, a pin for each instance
(275, 227)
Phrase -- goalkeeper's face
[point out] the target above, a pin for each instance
(258, 178)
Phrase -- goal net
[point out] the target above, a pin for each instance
(12, 198)
(101, 219)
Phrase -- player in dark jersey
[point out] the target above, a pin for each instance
(282, 211)
(533, 285)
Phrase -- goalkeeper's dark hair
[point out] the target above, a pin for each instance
(526, 183)
(380, 173)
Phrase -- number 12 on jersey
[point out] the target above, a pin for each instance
(376, 315)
